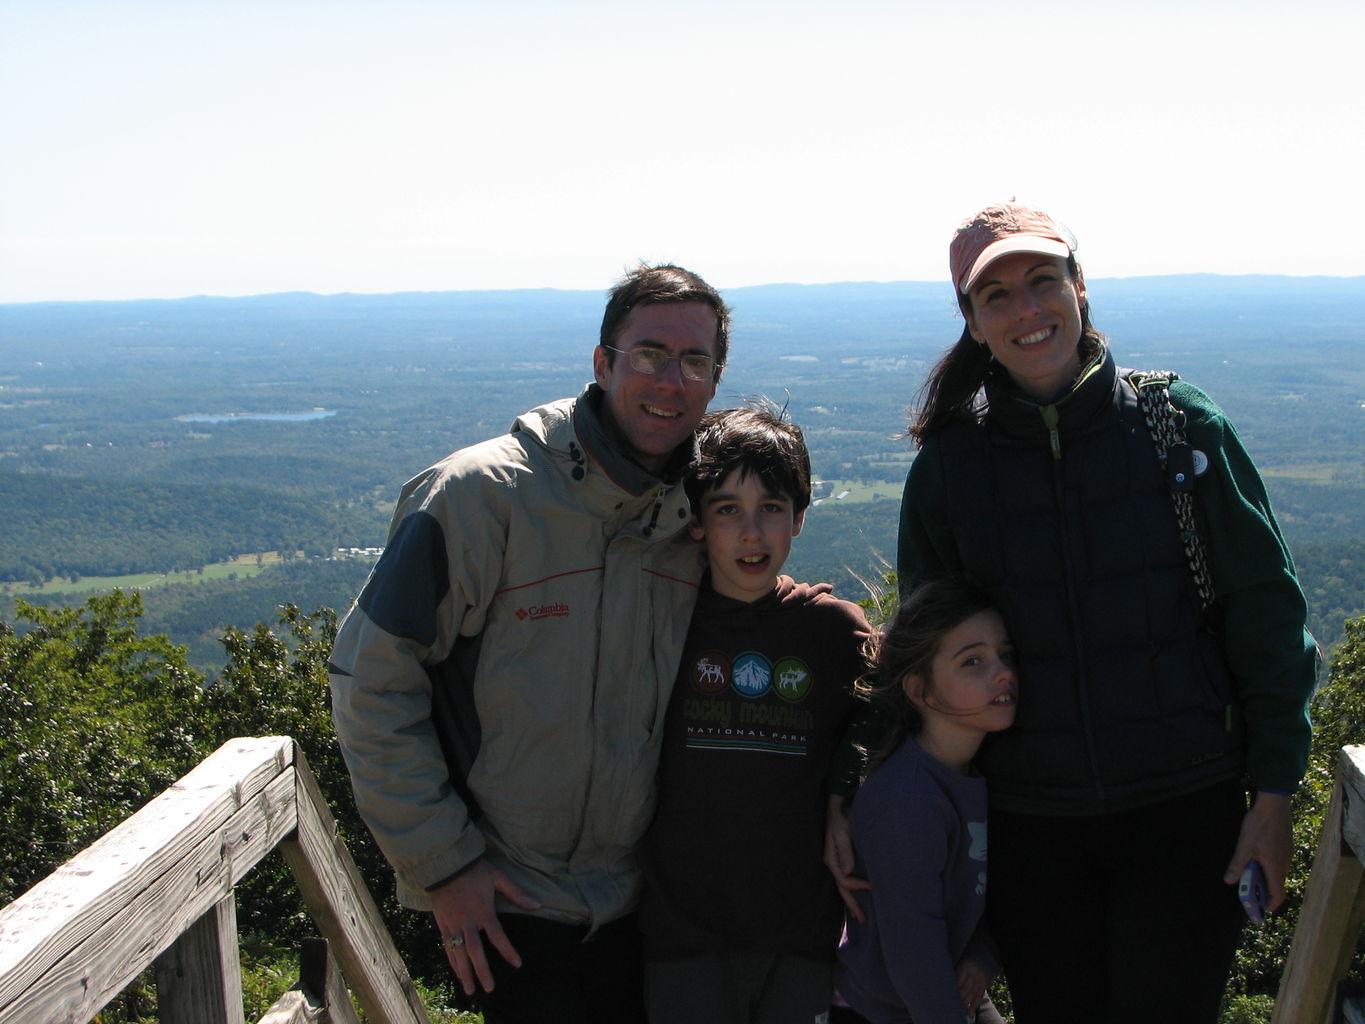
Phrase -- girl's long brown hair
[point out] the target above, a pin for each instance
(908, 646)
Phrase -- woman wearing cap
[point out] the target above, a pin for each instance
(1156, 743)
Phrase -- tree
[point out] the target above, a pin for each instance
(1339, 720)
(94, 722)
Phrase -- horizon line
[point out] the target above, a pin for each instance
(602, 291)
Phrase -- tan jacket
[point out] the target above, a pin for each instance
(499, 686)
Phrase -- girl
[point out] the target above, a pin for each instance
(944, 676)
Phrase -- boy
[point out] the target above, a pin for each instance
(740, 916)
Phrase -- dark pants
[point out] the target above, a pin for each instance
(730, 986)
(1126, 912)
(566, 977)
(985, 1014)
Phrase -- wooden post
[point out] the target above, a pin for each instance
(344, 911)
(199, 979)
(318, 973)
(295, 1007)
(320, 994)
(1334, 907)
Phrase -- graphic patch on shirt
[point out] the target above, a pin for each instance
(711, 673)
(977, 851)
(733, 707)
(793, 679)
(753, 674)
(977, 831)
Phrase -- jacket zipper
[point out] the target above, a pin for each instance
(1050, 417)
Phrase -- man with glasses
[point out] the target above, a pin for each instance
(499, 685)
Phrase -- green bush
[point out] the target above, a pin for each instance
(1338, 711)
(96, 720)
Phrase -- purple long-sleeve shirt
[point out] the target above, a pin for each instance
(919, 830)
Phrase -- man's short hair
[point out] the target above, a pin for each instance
(754, 439)
(663, 282)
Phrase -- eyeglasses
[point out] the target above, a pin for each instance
(644, 359)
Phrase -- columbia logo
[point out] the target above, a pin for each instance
(535, 612)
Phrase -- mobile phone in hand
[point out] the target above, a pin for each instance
(1252, 891)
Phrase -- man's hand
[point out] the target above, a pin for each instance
(464, 915)
(1266, 836)
(839, 857)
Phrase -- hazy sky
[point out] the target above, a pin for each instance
(195, 147)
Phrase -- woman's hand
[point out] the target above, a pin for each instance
(1266, 836)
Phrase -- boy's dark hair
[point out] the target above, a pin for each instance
(757, 439)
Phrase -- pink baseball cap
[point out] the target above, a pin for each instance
(1000, 230)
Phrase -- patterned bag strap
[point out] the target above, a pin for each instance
(1167, 426)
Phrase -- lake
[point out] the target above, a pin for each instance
(279, 417)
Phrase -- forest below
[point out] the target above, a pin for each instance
(150, 437)
(239, 443)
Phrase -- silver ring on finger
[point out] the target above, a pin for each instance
(454, 942)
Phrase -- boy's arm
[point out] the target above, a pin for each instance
(839, 855)
(846, 771)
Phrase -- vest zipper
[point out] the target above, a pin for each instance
(1054, 438)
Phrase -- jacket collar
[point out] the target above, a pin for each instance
(1089, 394)
(602, 449)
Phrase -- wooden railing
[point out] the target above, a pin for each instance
(1333, 909)
(157, 891)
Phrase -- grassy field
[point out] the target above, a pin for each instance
(858, 490)
(242, 566)
(1325, 473)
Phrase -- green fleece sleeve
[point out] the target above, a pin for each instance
(925, 545)
(1259, 609)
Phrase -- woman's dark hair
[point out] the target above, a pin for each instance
(952, 390)
(907, 647)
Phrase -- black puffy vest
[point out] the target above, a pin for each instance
(1124, 695)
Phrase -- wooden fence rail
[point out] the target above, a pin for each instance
(1333, 909)
(158, 891)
